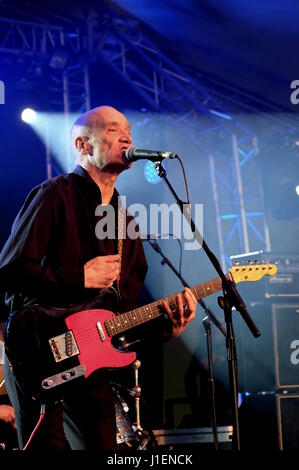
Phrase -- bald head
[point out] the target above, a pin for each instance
(99, 126)
(88, 124)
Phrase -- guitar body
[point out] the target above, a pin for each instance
(52, 346)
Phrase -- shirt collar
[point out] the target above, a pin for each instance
(79, 170)
(89, 183)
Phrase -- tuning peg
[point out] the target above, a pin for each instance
(256, 261)
(263, 261)
(250, 261)
(237, 263)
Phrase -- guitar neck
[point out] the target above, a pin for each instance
(125, 321)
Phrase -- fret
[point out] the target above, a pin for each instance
(125, 321)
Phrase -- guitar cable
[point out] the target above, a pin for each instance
(41, 417)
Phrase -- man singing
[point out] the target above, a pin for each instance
(54, 257)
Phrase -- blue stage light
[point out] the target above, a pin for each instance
(150, 173)
(28, 115)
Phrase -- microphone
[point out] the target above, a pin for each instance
(132, 154)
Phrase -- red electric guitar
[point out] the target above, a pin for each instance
(49, 347)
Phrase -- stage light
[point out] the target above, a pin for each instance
(28, 115)
(297, 190)
(150, 173)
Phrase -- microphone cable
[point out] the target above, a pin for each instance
(185, 180)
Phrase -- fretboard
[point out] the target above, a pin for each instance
(125, 321)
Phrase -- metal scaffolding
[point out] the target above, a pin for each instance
(169, 90)
(58, 52)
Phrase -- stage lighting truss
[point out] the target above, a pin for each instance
(170, 90)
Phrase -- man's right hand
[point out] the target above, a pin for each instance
(101, 272)
(7, 415)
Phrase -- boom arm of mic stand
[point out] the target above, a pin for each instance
(228, 287)
(216, 322)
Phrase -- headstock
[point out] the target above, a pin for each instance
(252, 272)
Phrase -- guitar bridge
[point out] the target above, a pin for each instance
(64, 346)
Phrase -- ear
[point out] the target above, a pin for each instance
(83, 146)
(79, 143)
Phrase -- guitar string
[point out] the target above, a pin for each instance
(142, 313)
(146, 313)
(123, 322)
(199, 291)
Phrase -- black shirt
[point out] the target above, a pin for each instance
(53, 236)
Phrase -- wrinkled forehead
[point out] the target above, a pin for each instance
(110, 116)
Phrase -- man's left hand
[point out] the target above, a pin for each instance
(181, 318)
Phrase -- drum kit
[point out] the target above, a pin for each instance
(130, 433)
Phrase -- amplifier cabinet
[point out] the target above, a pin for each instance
(202, 437)
(288, 421)
(285, 284)
(286, 344)
(269, 421)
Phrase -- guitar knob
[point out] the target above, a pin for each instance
(256, 261)
(250, 261)
(66, 376)
(48, 383)
(237, 263)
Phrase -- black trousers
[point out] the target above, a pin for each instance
(85, 420)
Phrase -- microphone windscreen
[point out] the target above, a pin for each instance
(129, 153)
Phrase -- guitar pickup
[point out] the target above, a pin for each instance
(64, 346)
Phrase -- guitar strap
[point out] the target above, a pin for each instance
(121, 226)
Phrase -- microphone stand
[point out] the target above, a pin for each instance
(211, 385)
(231, 298)
(137, 393)
(207, 324)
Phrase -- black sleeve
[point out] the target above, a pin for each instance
(22, 261)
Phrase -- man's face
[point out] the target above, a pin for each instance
(111, 138)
